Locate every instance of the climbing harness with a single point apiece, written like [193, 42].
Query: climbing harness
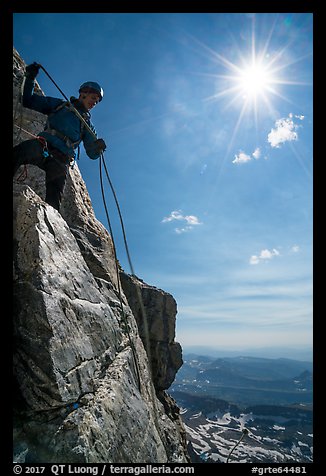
[63, 137]
[44, 145]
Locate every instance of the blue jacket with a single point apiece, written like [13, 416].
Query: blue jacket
[64, 121]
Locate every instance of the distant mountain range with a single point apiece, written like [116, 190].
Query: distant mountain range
[302, 354]
[271, 399]
[246, 380]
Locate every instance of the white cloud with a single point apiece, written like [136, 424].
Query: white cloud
[242, 157]
[264, 255]
[183, 230]
[270, 254]
[285, 130]
[254, 259]
[175, 215]
[190, 220]
[295, 249]
[257, 153]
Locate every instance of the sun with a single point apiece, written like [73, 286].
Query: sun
[254, 80]
[251, 84]
[250, 78]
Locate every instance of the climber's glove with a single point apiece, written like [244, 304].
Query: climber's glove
[99, 146]
[32, 70]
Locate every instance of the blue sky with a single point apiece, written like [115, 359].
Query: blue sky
[208, 121]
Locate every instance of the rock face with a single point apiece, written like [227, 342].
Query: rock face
[86, 390]
[156, 324]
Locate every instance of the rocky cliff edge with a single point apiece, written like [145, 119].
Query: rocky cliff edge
[85, 388]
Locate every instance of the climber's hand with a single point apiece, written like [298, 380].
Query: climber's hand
[95, 149]
[32, 70]
[100, 145]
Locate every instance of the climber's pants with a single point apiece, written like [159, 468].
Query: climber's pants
[55, 166]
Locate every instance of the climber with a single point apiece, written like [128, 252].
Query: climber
[54, 149]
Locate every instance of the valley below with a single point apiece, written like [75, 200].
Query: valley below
[246, 409]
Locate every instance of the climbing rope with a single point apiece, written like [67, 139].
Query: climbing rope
[45, 71]
[124, 319]
[138, 292]
[244, 433]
